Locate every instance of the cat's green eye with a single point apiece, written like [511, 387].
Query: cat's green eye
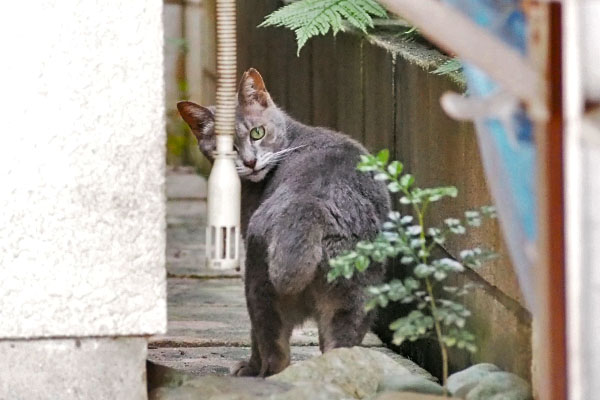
[257, 133]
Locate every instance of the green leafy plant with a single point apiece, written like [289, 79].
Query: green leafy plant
[308, 18]
[449, 66]
[437, 312]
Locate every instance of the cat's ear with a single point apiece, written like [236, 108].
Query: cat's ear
[200, 119]
[252, 90]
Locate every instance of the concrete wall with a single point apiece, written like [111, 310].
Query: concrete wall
[82, 231]
[92, 368]
[379, 90]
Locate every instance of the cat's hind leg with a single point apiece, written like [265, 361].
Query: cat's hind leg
[342, 321]
[271, 331]
[295, 246]
[252, 366]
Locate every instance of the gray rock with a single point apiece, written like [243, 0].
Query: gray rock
[408, 396]
[501, 386]
[357, 371]
[234, 388]
[340, 374]
[460, 383]
[313, 391]
[219, 387]
[409, 383]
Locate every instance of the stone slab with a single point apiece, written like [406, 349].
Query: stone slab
[200, 292]
[186, 211]
[189, 260]
[226, 326]
[201, 361]
[98, 368]
[212, 312]
[186, 236]
[185, 185]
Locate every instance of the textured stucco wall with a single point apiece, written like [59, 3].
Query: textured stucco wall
[82, 237]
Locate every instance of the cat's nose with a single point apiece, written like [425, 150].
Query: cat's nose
[250, 163]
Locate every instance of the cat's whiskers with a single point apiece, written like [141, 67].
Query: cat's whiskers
[268, 159]
[273, 158]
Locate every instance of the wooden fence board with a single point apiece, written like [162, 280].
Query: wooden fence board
[349, 78]
[299, 76]
[279, 51]
[324, 82]
[378, 75]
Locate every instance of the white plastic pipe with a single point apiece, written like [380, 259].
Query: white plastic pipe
[224, 188]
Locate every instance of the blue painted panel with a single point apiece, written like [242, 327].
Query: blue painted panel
[507, 146]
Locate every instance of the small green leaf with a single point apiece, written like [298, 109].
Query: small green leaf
[332, 276]
[414, 230]
[365, 246]
[407, 219]
[361, 263]
[407, 180]
[471, 348]
[488, 211]
[416, 243]
[404, 199]
[406, 260]
[383, 156]
[423, 270]
[389, 225]
[394, 215]
[394, 187]
[440, 275]
[449, 341]
[423, 253]
[395, 168]
[366, 167]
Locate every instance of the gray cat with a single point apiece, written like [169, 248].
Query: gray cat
[303, 202]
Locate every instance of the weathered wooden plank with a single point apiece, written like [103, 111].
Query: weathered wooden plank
[299, 75]
[252, 41]
[458, 34]
[440, 151]
[378, 73]
[279, 50]
[324, 82]
[349, 77]
[403, 103]
[415, 119]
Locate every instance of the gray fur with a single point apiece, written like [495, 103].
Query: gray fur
[299, 209]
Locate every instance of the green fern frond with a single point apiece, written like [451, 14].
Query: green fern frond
[308, 18]
[451, 65]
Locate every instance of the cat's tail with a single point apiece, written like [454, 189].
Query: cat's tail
[296, 249]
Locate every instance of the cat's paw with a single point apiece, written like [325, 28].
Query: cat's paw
[245, 368]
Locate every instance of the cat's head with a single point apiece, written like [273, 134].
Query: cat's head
[260, 138]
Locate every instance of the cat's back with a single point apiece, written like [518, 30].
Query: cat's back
[324, 167]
